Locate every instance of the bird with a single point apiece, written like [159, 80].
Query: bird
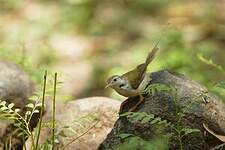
[133, 83]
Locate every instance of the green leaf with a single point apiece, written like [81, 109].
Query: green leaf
[66, 126]
[3, 103]
[189, 130]
[30, 105]
[138, 116]
[221, 85]
[163, 122]
[22, 134]
[125, 135]
[155, 120]
[62, 134]
[13, 118]
[3, 108]
[36, 111]
[125, 114]
[17, 110]
[11, 111]
[28, 113]
[210, 62]
[56, 141]
[11, 105]
[146, 119]
[169, 125]
[72, 130]
[151, 116]
[39, 105]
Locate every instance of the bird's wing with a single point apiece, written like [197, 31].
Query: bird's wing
[136, 75]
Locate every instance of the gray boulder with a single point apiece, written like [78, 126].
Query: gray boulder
[15, 87]
[193, 106]
[15, 84]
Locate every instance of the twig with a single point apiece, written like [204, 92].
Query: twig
[218, 147]
[42, 109]
[24, 144]
[220, 137]
[10, 142]
[53, 113]
[82, 134]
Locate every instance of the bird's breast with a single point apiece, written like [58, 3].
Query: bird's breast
[127, 92]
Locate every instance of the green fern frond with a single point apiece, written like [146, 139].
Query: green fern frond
[143, 118]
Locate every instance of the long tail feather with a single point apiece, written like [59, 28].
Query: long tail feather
[151, 55]
[155, 49]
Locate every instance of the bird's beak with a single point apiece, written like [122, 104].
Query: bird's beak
[108, 85]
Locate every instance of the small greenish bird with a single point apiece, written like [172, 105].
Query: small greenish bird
[133, 82]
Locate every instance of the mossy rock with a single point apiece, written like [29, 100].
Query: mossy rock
[200, 107]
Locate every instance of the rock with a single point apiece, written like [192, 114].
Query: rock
[15, 87]
[103, 109]
[193, 101]
[15, 84]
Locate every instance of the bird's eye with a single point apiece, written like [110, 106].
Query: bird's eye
[114, 80]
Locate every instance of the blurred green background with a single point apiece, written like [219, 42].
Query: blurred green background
[88, 40]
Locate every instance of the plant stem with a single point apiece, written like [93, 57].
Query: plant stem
[178, 118]
[180, 141]
[32, 139]
[53, 112]
[10, 142]
[42, 109]
[28, 132]
[24, 145]
[81, 134]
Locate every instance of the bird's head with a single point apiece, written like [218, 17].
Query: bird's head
[115, 81]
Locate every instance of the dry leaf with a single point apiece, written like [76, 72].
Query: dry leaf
[220, 137]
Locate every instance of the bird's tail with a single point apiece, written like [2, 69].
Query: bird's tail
[152, 54]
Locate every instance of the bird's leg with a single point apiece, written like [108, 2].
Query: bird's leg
[140, 89]
[141, 100]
